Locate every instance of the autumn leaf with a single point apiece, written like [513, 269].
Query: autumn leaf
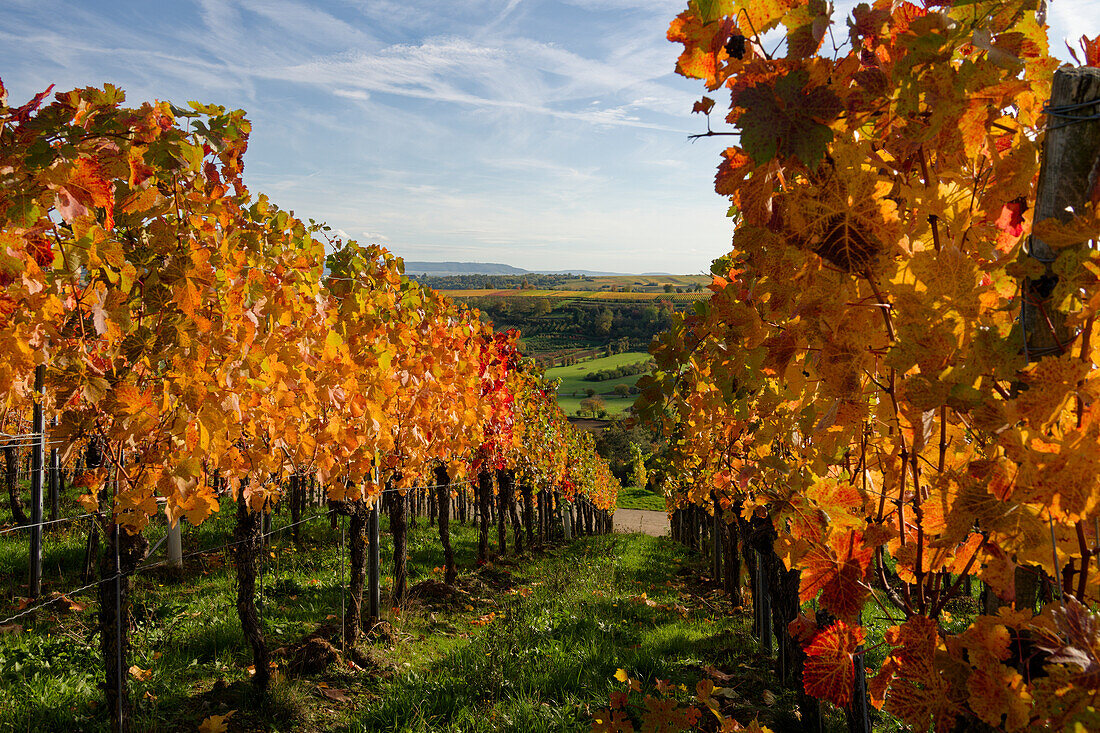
[139, 674]
[996, 691]
[22, 114]
[918, 693]
[803, 629]
[216, 723]
[718, 675]
[704, 46]
[1011, 220]
[334, 694]
[1091, 49]
[1078, 642]
[830, 668]
[837, 571]
[86, 187]
[787, 118]
[704, 105]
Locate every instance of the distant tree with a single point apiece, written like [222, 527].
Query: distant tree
[593, 406]
[622, 390]
[589, 391]
[604, 321]
[637, 465]
[668, 287]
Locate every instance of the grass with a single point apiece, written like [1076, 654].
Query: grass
[548, 660]
[573, 385]
[185, 629]
[615, 406]
[526, 644]
[635, 497]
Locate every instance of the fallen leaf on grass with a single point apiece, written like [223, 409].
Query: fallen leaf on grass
[718, 675]
[769, 697]
[139, 674]
[484, 620]
[216, 723]
[335, 694]
[74, 606]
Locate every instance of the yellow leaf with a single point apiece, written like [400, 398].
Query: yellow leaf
[216, 723]
[621, 675]
[139, 674]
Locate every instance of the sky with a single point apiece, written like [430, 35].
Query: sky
[543, 134]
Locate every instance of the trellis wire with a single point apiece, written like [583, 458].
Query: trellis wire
[67, 595]
[1061, 111]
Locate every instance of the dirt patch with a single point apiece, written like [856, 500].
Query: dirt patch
[640, 520]
[592, 425]
[496, 577]
[433, 592]
[313, 654]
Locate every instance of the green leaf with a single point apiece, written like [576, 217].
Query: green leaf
[709, 10]
[786, 120]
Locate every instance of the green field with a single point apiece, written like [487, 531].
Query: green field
[634, 497]
[573, 385]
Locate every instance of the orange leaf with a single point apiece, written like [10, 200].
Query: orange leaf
[830, 668]
[139, 674]
[999, 690]
[704, 105]
[1092, 50]
[837, 572]
[88, 187]
[216, 723]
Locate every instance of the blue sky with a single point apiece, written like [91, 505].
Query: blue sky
[546, 135]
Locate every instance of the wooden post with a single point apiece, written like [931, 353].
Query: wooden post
[762, 606]
[1067, 177]
[175, 545]
[53, 481]
[373, 561]
[38, 461]
[716, 540]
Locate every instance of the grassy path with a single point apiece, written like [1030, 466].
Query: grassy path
[652, 523]
[527, 645]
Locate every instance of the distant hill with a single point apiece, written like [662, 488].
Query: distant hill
[490, 268]
[461, 268]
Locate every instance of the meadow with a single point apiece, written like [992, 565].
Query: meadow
[573, 385]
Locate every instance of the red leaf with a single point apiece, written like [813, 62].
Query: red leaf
[1011, 220]
[837, 571]
[41, 249]
[802, 629]
[1092, 50]
[24, 113]
[830, 669]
